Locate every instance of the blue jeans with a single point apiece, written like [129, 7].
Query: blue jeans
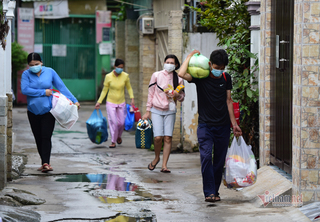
[208, 136]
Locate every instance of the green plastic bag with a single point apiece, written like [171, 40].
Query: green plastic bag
[198, 66]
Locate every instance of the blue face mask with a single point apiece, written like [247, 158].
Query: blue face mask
[35, 69]
[217, 72]
[118, 70]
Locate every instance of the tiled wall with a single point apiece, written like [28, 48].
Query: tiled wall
[306, 96]
[131, 58]
[175, 42]
[306, 102]
[120, 40]
[265, 82]
[147, 67]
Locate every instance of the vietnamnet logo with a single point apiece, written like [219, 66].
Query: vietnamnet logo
[45, 8]
[281, 200]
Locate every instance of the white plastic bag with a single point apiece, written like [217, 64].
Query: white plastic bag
[241, 165]
[63, 110]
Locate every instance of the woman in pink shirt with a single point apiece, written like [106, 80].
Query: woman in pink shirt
[162, 104]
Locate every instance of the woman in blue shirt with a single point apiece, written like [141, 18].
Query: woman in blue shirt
[36, 84]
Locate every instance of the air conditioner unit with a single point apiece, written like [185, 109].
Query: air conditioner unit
[147, 25]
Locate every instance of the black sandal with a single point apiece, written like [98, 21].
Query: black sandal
[211, 198]
[217, 198]
[153, 166]
[165, 170]
[113, 146]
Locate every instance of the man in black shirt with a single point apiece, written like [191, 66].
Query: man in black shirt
[215, 110]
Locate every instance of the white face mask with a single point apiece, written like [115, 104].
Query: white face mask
[169, 67]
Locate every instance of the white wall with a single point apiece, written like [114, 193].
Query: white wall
[205, 43]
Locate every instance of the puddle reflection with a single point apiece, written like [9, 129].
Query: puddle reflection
[104, 181]
[113, 182]
[122, 218]
[65, 132]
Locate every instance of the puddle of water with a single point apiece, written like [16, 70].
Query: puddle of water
[65, 132]
[120, 218]
[114, 183]
[132, 219]
[75, 178]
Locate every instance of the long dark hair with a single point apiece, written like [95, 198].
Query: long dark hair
[175, 74]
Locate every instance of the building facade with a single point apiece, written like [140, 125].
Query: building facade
[289, 92]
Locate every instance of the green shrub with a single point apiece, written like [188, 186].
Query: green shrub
[19, 58]
[18, 61]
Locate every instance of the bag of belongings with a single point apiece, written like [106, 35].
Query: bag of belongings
[198, 66]
[63, 110]
[241, 165]
[144, 134]
[97, 127]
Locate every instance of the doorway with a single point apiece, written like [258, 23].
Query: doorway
[281, 88]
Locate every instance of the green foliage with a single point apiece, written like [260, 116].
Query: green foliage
[122, 13]
[230, 21]
[19, 57]
[152, 147]
[18, 62]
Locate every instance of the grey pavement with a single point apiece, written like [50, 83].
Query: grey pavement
[70, 196]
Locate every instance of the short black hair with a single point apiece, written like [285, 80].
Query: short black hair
[219, 57]
[33, 56]
[176, 60]
[118, 62]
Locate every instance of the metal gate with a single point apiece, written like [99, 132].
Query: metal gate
[77, 67]
[281, 146]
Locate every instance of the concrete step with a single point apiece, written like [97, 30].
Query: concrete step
[270, 183]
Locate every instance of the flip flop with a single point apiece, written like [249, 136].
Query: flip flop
[113, 146]
[210, 198]
[165, 170]
[119, 140]
[46, 167]
[217, 198]
[153, 166]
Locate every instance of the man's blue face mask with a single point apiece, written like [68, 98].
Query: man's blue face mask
[35, 69]
[216, 72]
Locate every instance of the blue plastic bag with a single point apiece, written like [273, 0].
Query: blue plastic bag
[129, 122]
[97, 127]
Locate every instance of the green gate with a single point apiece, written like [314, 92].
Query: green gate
[77, 67]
